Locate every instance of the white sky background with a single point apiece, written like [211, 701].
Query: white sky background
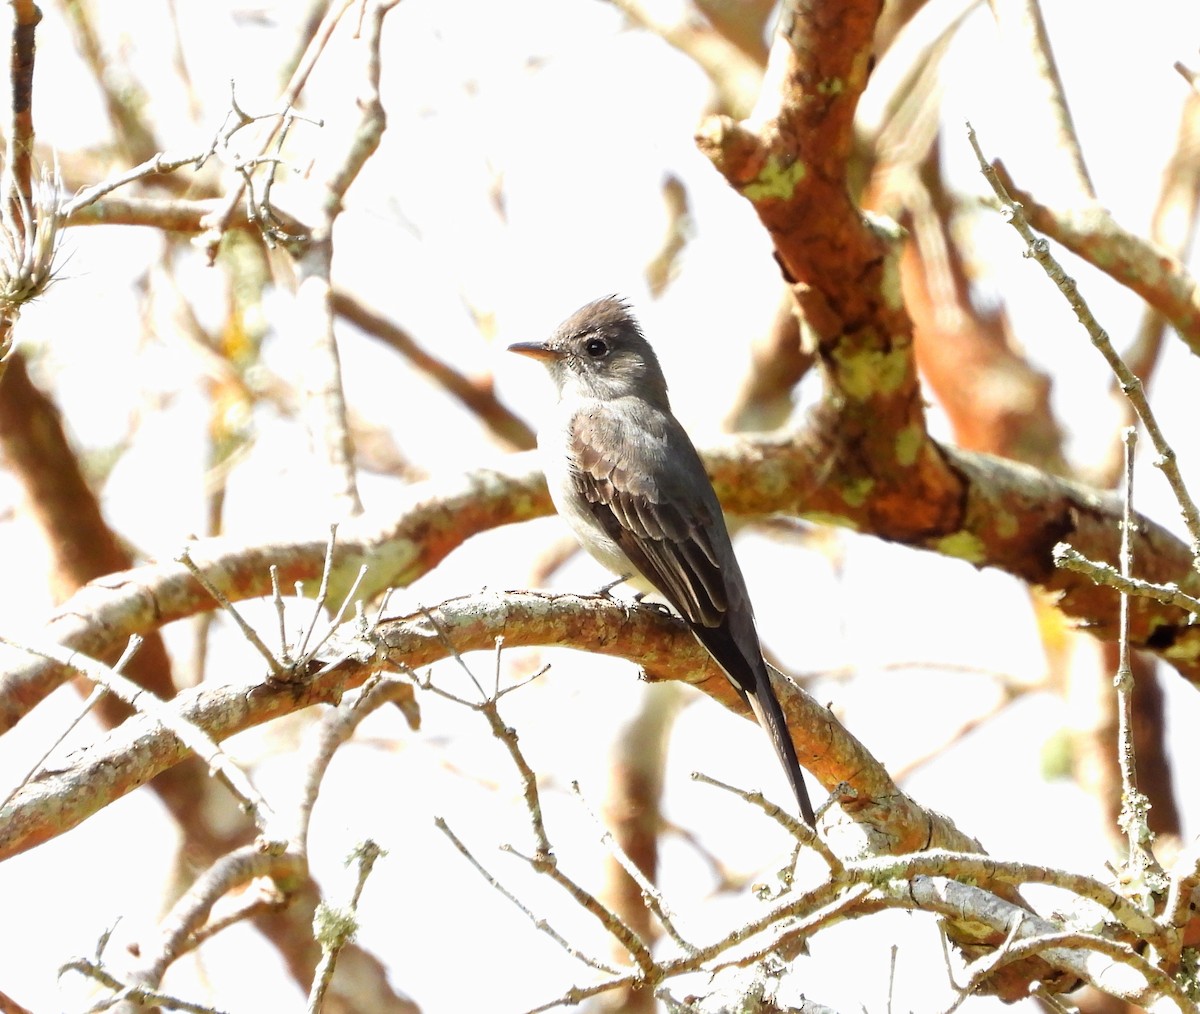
[579, 118]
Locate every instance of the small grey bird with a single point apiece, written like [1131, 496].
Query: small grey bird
[627, 479]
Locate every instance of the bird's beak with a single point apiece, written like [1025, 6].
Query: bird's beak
[535, 350]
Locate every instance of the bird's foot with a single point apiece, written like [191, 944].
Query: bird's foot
[660, 607]
[605, 590]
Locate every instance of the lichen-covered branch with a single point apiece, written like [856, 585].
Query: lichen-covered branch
[660, 643]
[1007, 516]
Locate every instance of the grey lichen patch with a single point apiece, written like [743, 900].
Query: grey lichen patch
[776, 180]
[962, 545]
[909, 442]
[864, 373]
[333, 927]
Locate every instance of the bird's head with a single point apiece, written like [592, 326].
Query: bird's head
[600, 352]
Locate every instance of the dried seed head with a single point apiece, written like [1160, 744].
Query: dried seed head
[29, 239]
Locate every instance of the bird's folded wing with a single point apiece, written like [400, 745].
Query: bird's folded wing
[639, 502]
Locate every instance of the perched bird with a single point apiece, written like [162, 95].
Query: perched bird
[627, 479]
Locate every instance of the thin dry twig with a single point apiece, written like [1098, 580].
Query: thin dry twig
[1067, 557]
[584, 898]
[1185, 880]
[158, 164]
[19, 158]
[539, 923]
[247, 631]
[322, 593]
[187, 917]
[475, 393]
[1024, 17]
[123, 992]
[336, 928]
[145, 702]
[93, 698]
[801, 832]
[335, 728]
[325, 408]
[651, 895]
[1134, 804]
[506, 734]
[1039, 250]
[218, 220]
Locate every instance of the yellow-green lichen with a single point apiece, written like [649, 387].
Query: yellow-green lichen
[1186, 649]
[909, 442]
[1006, 524]
[831, 86]
[889, 285]
[855, 493]
[1058, 755]
[863, 373]
[776, 180]
[962, 545]
[892, 234]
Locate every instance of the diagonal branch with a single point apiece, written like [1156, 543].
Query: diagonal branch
[661, 644]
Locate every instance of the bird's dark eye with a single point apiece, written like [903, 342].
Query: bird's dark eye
[597, 348]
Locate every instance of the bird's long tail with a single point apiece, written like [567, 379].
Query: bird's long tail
[741, 658]
[765, 706]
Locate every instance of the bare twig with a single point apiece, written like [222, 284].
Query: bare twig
[248, 632]
[336, 928]
[1067, 557]
[98, 691]
[1024, 18]
[1134, 804]
[188, 915]
[122, 991]
[1185, 881]
[541, 924]
[506, 734]
[144, 701]
[650, 894]
[218, 220]
[475, 393]
[335, 728]
[616, 927]
[795, 828]
[322, 593]
[1039, 250]
[157, 164]
[285, 652]
[19, 158]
